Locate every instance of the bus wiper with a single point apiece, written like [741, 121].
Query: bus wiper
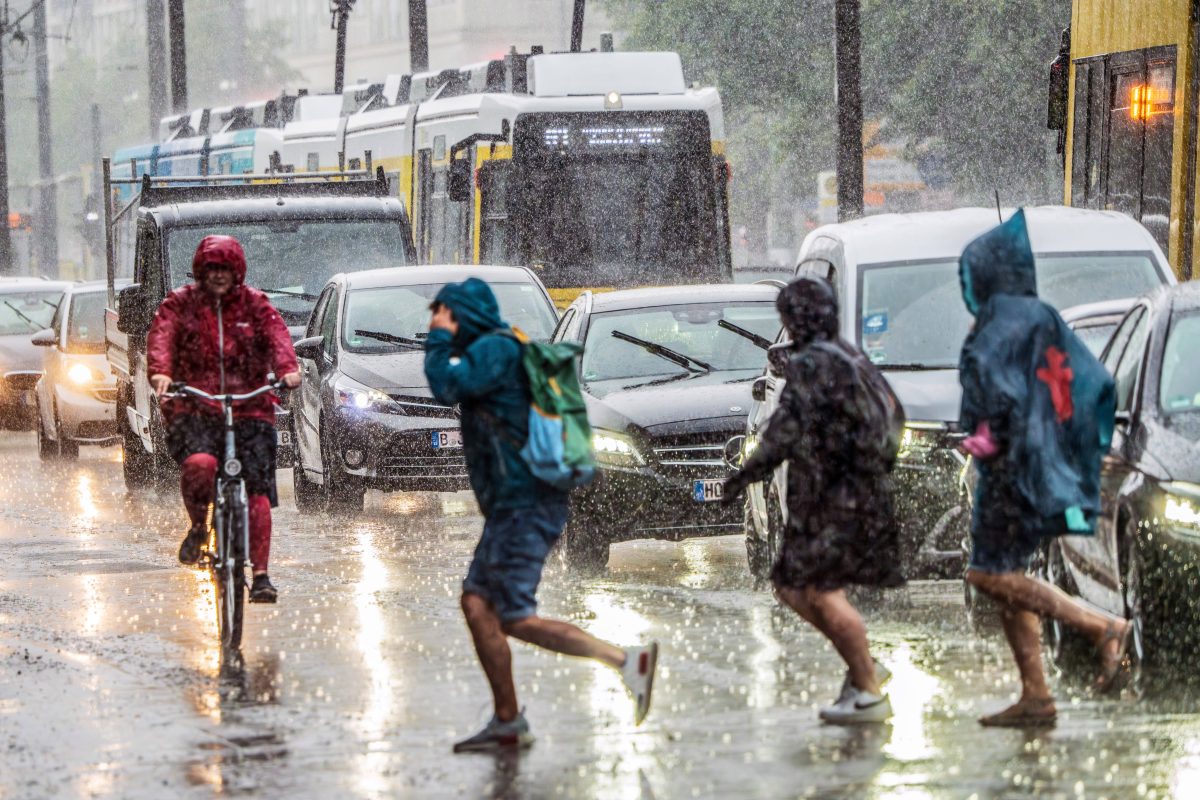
[291, 293]
[665, 352]
[759, 341]
[31, 322]
[391, 338]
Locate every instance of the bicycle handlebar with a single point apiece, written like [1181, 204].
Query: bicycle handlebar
[178, 389]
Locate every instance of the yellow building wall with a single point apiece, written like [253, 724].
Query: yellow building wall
[1099, 27]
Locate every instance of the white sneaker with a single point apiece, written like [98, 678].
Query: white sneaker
[638, 674]
[859, 707]
[882, 676]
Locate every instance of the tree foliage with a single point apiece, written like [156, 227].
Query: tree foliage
[962, 82]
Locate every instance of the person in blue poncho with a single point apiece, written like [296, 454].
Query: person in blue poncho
[1038, 408]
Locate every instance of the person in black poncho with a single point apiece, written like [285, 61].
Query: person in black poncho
[841, 527]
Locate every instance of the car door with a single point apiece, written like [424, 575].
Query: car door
[307, 412]
[1093, 560]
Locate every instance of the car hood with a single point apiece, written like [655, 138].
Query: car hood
[927, 395]
[19, 353]
[1175, 447]
[715, 401]
[387, 372]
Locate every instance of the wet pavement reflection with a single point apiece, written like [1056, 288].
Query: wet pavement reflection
[357, 683]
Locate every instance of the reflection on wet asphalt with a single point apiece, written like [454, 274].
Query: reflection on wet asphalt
[357, 683]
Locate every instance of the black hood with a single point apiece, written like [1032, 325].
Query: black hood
[693, 405]
[808, 309]
[387, 372]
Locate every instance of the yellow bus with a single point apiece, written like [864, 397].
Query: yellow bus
[1127, 110]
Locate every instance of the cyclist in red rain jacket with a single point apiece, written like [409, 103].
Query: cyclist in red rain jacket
[185, 344]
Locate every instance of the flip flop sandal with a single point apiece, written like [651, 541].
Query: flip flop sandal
[1030, 714]
[1110, 669]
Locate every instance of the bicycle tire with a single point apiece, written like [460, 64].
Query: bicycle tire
[231, 572]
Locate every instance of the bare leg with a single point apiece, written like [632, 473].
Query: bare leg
[833, 615]
[491, 645]
[565, 638]
[1023, 631]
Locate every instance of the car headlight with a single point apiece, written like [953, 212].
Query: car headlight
[920, 439]
[616, 449]
[352, 394]
[81, 374]
[1182, 505]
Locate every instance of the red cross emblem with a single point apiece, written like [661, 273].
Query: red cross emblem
[1057, 378]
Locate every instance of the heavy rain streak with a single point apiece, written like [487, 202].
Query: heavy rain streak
[620, 399]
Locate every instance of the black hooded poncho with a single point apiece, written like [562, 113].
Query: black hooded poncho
[841, 527]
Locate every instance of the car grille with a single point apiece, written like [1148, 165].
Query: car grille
[697, 453]
[432, 465]
[424, 407]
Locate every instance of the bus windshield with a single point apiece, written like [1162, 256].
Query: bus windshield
[617, 199]
[291, 260]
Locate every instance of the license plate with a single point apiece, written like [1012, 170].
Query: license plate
[707, 491]
[447, 440]
[283, 438]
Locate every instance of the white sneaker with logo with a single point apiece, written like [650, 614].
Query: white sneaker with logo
[638, 674]
[857, 707]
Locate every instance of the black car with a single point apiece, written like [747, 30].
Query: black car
[1142, 561]
[666, 373]
[363, 417]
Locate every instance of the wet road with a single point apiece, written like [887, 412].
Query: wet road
[357, 683]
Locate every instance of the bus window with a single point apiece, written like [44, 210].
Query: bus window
[424, 204]
[493, 230]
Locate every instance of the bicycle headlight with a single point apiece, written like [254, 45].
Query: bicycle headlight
[352, 394]
[616, 449]
[233, 467]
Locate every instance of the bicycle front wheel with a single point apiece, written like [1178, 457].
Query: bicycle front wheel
[231, 593]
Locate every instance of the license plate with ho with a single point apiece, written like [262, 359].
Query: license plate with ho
[447, 440]
[708, 491]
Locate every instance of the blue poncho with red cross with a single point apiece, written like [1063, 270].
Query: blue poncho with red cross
[1047, 399]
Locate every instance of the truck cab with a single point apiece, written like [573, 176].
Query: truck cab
[296, 234]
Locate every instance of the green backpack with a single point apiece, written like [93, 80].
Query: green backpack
[559, 447]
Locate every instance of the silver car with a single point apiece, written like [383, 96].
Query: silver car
[76, 395]
[26, 306]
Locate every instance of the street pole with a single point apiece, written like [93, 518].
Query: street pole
[577, 27]
[156, 48]
[46, 235]
[341, 14]
[849, 110]
[6, 257]
[418, 36]
[179, 82]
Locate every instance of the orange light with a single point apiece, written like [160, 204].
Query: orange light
[1142, 100]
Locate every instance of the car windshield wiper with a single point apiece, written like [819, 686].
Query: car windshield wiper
[391, 338]
[291, 293]
[30, 321]
[665, 352]
[759, 341]
[681, 376]
[913, 367]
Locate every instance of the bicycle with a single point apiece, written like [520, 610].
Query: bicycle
[230, 518]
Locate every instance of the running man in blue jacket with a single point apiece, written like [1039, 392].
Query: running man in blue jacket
[471, 359]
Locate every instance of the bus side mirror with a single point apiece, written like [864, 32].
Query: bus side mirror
[134, 312]
[460, 180]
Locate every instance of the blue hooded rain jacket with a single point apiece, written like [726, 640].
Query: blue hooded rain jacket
[480, 368]
[1048, 401]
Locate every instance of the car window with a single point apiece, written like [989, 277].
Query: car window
[329, 324]
[1179, 387]
[564, 323]
[690, 330]
[27, 312]
[314, 322]
[403, 311]
[1116, 347]
[85, 323]
[1129, 366]
[1095, 335]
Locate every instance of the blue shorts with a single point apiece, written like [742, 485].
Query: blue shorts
[508, 561]
[1005, 532]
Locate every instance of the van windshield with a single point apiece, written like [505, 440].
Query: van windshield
[912, 313]
[291, 260]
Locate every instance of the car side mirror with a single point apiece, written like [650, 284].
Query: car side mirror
[460, 186]
[777, 358]
[134, 312]
[758, 389]
[310, 348]
[1123, 418]
[44, 338]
